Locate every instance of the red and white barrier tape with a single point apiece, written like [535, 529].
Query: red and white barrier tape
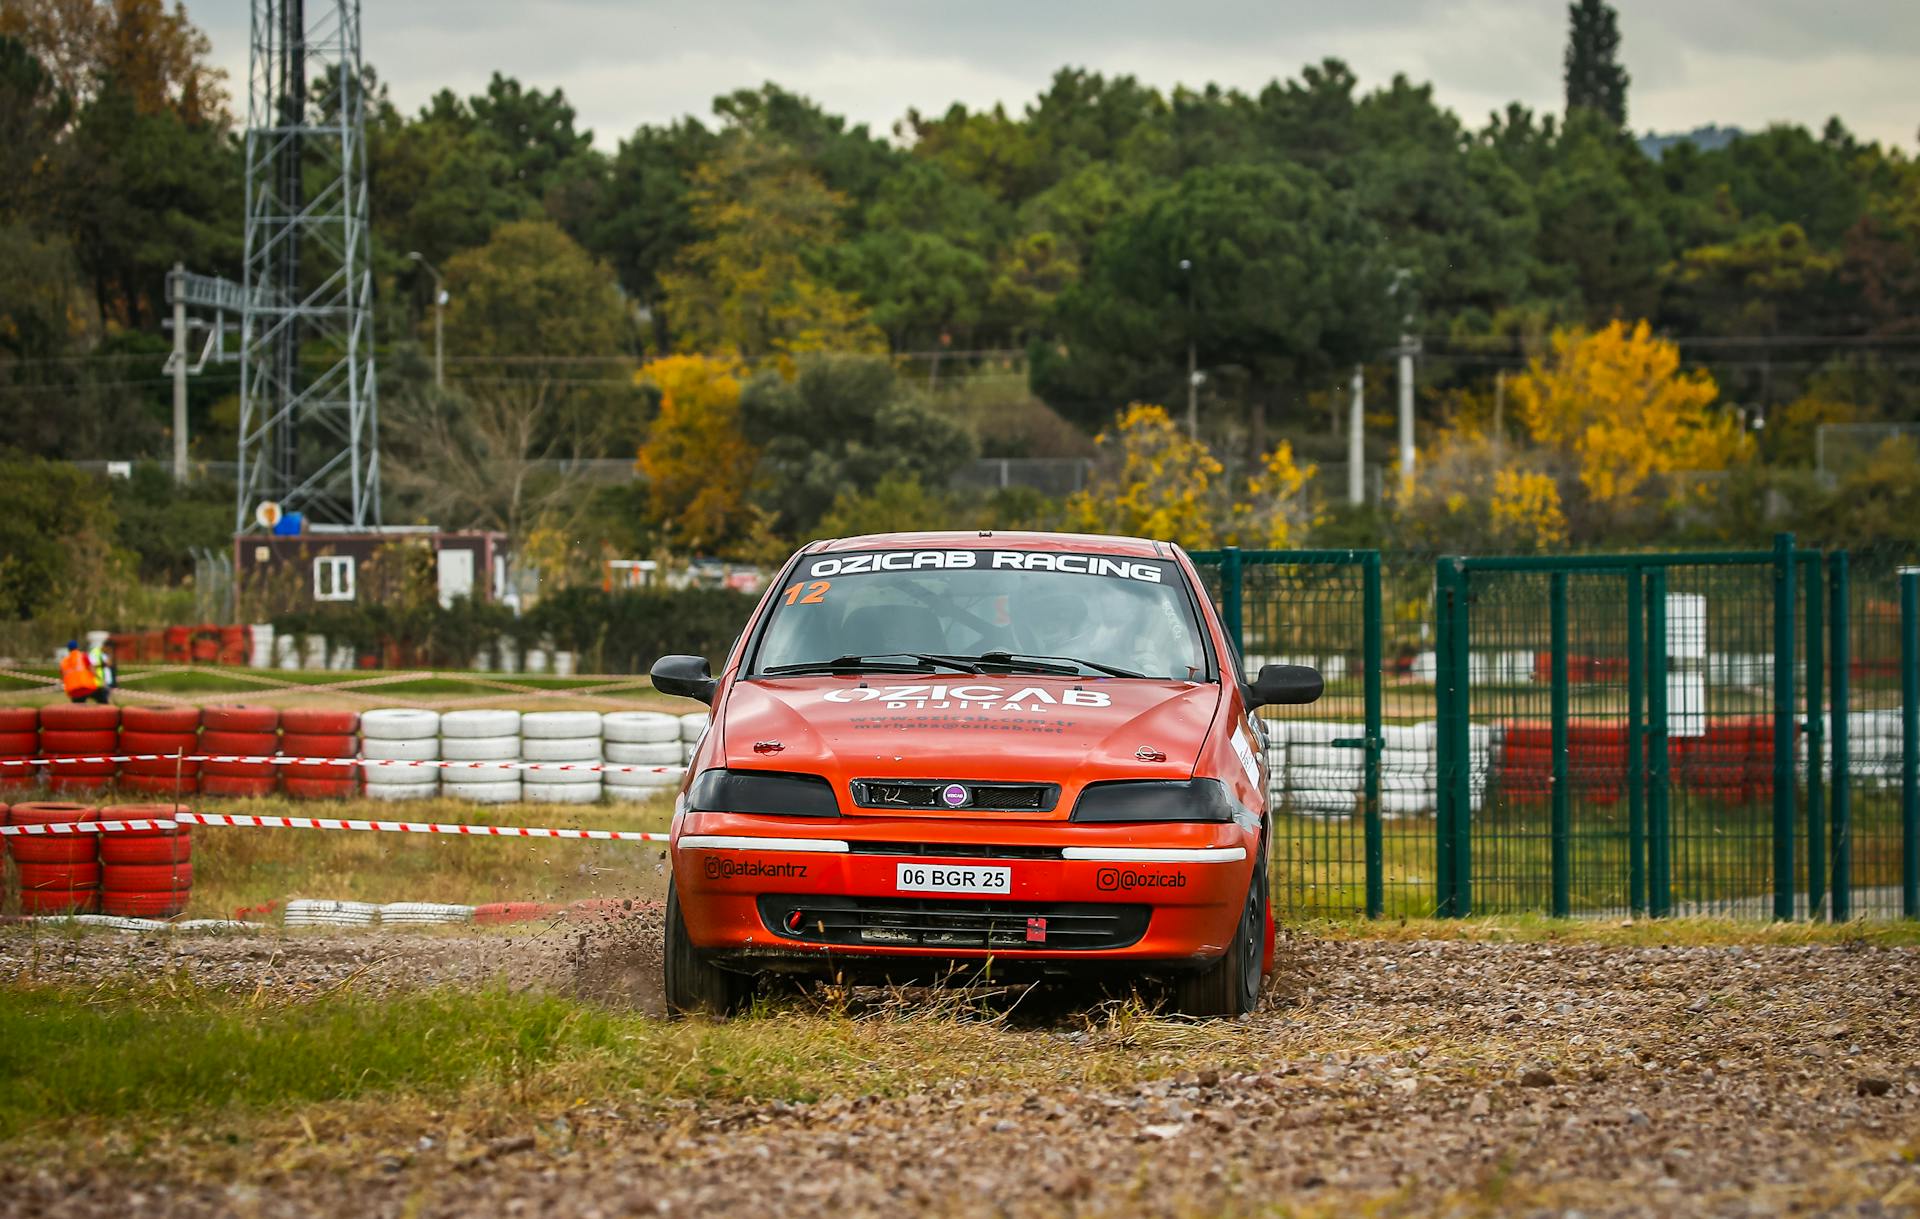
[183, 817]
[381, 763]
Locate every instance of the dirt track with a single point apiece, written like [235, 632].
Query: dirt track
[1425, 1076]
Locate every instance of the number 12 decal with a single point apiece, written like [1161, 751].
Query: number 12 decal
[816, 593]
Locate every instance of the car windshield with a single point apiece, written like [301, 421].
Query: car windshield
[998, 610]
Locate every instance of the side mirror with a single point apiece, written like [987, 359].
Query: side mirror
[686, 676]
[1282, 685]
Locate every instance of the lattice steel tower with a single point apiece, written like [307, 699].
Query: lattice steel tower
[309, 415]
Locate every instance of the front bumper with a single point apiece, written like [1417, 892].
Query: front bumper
[772, 892]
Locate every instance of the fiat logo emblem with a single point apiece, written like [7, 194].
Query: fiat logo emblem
[953, 795]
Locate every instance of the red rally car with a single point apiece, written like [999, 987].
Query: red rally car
[1009, 753]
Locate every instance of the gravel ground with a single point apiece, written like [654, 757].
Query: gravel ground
[1407, 1077]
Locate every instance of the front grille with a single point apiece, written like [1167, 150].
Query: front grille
[895, 922]
[954, 850]
[927, 793]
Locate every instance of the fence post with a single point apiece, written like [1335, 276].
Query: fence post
[1636, 745]
[1462, 741]
[1816, 645]
[1910, 742]
[1783, 769]
[1445, 762]
[1370, 661]
[1839, 792]
[1230, 602]
[1562, 822]
[1659, 832]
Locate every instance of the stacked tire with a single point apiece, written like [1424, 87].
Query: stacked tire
[477, 743]
[145, 873]
[311, 733]
[692, 728]
[19, 742]
[163, 731]
[80, 730]
[59, 873]
[398, 736]
[242, 732]
[559, 741]
[648, 739]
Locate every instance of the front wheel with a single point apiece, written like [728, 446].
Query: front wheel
[694, 985]
[1231, 985]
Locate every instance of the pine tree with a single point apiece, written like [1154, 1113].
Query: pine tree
[1595, 79]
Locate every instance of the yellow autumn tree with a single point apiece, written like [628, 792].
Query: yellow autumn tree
[697, 461]
[1155, 482]
[1619, 406]
[747, 285]
[1477, 496]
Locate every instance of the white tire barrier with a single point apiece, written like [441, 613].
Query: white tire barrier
[502, 792]
[425, 912]
[656, 779]
[491, 722]
[640, 727]
[307, 912]
[480, 748]
[561, 793]
[399, 724]
[663, 753]
[559, 778]
[421, 749]
[560, 749]
[692, 726]
[546, 725]
[403, 791]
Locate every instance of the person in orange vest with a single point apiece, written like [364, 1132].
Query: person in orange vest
[78, 678]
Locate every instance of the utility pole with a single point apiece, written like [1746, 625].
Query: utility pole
[1356, 439]
[439, 304]
[1409, 346]
[1193, 368]
[179, 366]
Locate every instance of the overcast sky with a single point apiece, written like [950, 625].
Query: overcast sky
[625, 62]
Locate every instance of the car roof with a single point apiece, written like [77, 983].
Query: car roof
[995, 539]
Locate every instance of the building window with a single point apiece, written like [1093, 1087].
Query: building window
[333, 578]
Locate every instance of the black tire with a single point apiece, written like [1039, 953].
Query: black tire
[1231, 985]
[694, 985]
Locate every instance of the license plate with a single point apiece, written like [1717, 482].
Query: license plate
[952, 878]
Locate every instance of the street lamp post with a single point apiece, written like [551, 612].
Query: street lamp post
[439, 304]
[1193, 369]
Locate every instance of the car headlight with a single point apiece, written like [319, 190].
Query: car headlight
[782, 793]
[1156, 800]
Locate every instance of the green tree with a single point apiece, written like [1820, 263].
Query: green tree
[532, 291]
[1594, 78]
[842, 425]
[645, 220]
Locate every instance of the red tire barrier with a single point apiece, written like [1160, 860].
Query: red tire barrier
[310, 721]
[178, 644]
[246, 744]
[320, 789]
[232, 785]
[50, 812]
[157, 785]
[19, 719]
[160, 719]
[147, 877]
[300, 745]
[54, 848]
[19, 744]
[494, 913]
[59, 901]
[166, 903]
[58, 876]
[160, 743]
[240, 719]
[66, 743]
[79, 717]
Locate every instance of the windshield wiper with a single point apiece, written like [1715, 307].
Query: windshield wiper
[874, 662]
[1065, 666]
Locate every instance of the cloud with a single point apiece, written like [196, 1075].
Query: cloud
[627, 62]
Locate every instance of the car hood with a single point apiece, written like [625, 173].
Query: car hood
[1017, 728]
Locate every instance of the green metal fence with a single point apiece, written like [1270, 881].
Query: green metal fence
[1723, 733]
